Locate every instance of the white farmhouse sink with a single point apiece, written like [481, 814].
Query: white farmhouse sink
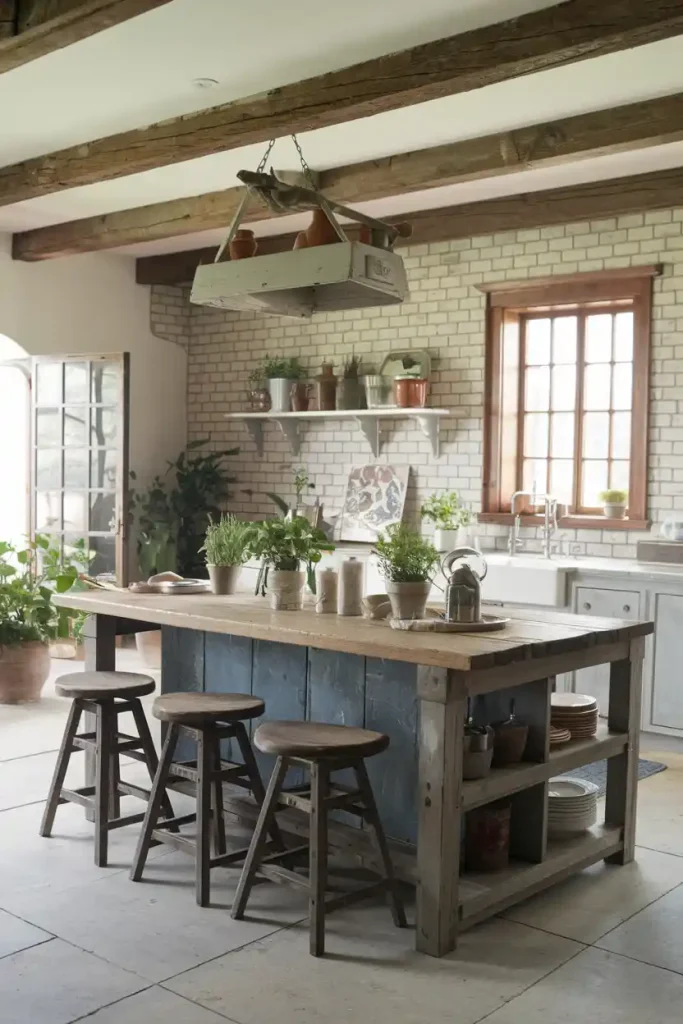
[525, 579]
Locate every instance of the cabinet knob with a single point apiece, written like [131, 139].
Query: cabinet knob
[587, 605]
[627, 607]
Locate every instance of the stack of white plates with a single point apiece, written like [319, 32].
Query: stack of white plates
[572, 805]
[575, 711]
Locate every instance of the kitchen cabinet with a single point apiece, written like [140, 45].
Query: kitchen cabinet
[613, 604]
[666, 709]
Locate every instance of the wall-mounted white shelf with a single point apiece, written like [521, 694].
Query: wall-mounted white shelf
[369, 420]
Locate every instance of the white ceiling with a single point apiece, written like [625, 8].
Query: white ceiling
[143, 71]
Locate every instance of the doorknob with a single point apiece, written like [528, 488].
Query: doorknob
[587, 605]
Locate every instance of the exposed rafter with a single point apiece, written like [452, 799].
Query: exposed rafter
[31, 28]
[549, 38]
[617, 196]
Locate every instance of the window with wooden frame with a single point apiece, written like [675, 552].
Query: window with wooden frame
[566, 399]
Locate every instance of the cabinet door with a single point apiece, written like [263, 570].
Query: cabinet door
[612, 604]
[667, 693]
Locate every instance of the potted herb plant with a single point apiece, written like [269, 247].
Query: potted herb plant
[350, 390]
[279, 375]
[28, 620]
[614, 503]
[444, 510]
[226, 546]
[289, 550]
[406, 561]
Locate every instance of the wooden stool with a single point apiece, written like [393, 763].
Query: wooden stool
[106, 695]
[322, 749]
[208, 718]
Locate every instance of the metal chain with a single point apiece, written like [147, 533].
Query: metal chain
[304, 166]
[264, 158]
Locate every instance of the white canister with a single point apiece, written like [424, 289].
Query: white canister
[326, 584]
[350, 599]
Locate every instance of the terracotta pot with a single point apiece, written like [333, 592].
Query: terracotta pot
[301, 396]
[286, 589]
[23, 671]
[320, 231]
[409, 600]
[149, 647]
[224, 578]
[243, 245]
[487, 837]
[509, 743]
[410, 392]
[300, 242]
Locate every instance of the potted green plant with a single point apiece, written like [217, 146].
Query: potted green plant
[614, 503]
[28, 619]
[226, 546]
[406, 561]
[444, 510]
[279, 375]
[350, 390]
[289, 550]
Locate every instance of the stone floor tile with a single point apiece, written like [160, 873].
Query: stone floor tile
[655, 935]
[16, 934]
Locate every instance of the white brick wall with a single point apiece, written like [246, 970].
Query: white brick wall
[444, 314]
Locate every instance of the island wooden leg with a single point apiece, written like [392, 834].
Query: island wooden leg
[99, 634]
[442, 721]
[622, 770]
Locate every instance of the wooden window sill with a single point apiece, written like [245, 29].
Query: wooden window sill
[568, 522]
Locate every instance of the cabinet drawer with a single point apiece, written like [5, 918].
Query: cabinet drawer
[612, 604]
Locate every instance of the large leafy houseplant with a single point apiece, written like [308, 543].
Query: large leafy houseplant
[287, 545]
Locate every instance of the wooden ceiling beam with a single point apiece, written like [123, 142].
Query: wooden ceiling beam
[32, 28]
[635, 126]
[597, 200]
[549, 38]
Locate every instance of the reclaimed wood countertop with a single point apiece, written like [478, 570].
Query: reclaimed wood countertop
[529, 635]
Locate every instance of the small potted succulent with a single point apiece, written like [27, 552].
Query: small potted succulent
[449, 517]
[226, 546]
[614, 503]
[407, 562]
[279, 375]
[289, 550]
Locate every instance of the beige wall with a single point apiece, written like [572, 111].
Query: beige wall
[445, 314]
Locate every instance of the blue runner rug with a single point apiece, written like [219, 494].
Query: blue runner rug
[597, 772]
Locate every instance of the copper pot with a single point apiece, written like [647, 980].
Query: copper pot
[320, 231]
[243, 245]
[411, 392]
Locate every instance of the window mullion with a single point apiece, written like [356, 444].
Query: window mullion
[521, 405]
[578, 409]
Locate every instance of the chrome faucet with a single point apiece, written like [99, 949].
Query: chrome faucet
[549, 520]
[513, 539]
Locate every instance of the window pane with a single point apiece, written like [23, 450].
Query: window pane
[594, 481]
[74, 426]
[623, 337]
[562, 480]
[564, 339]
[48, 511]
[619, 476]
[48, 469]
[104, 551]
[536, 435]
[622, 390]
[598, 344]
[562, 435]
[49, 384]
[76, 382]
[621, 435]
[104, 383]
[596, 435]
[74, 511]
[537, 389]
[76, 467]
[596, 391]
[538, 341]
[534, 475]
[564, 387]
[102, 513]
[48, 428]
[104, 427]
[103, 465]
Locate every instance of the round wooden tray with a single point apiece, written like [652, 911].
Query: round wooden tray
[487, 624]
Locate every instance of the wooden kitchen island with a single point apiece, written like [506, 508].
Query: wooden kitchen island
[415, 687]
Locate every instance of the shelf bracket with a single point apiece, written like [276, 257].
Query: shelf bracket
[290, 428]
[370, 427]
[255, 428]
[429, 425]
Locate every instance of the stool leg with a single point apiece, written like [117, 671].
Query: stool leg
[205, 757]
[218, 816]
[318, 857]
[259, 838]
[257, 787]
[150, 753]
[55, 793]
[380, 843]
[105, 732]
[154, 805]
[114, 776]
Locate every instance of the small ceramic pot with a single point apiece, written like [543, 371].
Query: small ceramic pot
[409, 600]
[320, 231]
[445, 540]
[280, 389]
[224, 578]
[243, 245]
[410, 392]
[614, 511]
[286, 590]
[477, 754]
[509, 743]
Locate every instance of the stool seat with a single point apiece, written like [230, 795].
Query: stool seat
[104, 685]
[203, 708]
[318, 740]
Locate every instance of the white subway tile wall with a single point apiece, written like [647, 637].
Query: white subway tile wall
[444, 314]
